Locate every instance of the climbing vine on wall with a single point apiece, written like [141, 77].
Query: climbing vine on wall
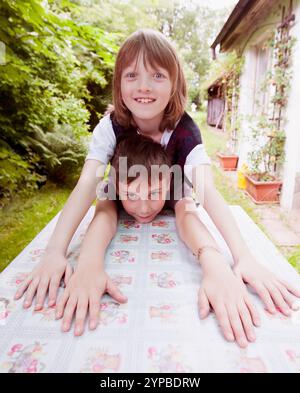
[270, 126]
[232, 94]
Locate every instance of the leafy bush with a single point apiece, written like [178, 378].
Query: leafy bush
[16, 173]
[55, 74]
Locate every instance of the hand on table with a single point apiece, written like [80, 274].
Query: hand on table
[46, 276]
[229, 299]
[82, 295]
[276, 294]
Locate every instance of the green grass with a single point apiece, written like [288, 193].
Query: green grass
[214, 141]
[24, 217]
[294, 258]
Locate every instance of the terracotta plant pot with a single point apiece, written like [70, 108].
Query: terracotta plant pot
[228, 161]
[263, 191]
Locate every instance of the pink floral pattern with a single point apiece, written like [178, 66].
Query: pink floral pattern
[163, 238]
[122, 256]
[25, 359]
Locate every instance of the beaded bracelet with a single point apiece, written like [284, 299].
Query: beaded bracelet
[204, 248]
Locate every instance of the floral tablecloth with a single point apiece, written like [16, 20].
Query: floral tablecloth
[158, 329]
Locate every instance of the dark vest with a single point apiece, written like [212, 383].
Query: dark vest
[184, 138]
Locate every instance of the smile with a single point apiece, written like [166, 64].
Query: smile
[144, 100]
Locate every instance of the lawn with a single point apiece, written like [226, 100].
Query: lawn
[25, 217]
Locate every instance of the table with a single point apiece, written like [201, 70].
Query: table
[158, 329]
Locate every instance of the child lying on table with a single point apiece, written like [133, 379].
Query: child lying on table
[143, 197]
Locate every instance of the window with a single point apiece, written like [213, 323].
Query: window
[262, 91]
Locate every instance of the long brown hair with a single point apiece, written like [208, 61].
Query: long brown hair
[156, 50]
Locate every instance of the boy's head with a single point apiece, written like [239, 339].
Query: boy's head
[142, 175]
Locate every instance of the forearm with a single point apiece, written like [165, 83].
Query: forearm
[221, 215]
[99, 234]
[218, 210]
[196, 236]
[73, 212]
[76, 206]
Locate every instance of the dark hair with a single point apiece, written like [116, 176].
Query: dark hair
[139, 150]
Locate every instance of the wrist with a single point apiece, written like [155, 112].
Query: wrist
[240, 252]
[54, 251]
[211, 259]
[243, 257]
[90, 261]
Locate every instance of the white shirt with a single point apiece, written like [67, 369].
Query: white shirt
[103, 144]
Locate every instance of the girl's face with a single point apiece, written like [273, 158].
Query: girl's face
[145, 92]
[143, 201]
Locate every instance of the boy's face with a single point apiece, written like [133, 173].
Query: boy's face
[143, 201]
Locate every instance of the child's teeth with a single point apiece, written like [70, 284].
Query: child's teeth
[144, 101]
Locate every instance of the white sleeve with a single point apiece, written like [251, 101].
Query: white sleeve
[103, 142]
[197, 156]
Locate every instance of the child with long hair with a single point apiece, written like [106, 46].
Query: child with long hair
[149, 97]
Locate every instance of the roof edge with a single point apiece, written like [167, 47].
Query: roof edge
[241, 8]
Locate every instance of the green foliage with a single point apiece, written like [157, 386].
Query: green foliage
[192, 27]
[14, 171]
[268, 133]
[267, 148]
[54, 68]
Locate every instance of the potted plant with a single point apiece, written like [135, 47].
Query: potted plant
[228, 158]
[262, 182]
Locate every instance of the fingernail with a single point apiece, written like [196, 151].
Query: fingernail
[93, 325]
[26, 304]
[252, 337]
[77, 330]
[37, 306]
[65, 327]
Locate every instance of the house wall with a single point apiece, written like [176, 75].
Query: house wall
[290, 196]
